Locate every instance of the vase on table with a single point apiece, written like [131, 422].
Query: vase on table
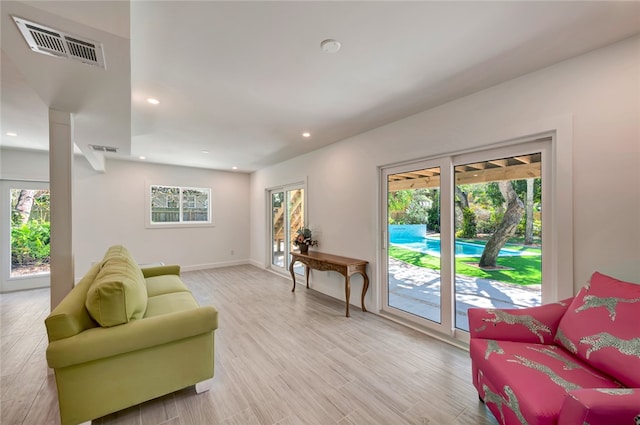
[304, 249]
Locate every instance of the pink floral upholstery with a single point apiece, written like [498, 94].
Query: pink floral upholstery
[602, 327]
[526, 371]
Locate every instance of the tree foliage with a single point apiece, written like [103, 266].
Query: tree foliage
[469, 228]
[29, 205]
[411, 206]
[30, 243]
[520, 186]
[484, 200]
[30, 229]
[433, 214]
[400, 200]
[418, 207]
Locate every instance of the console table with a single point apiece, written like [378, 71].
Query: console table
[343, 265]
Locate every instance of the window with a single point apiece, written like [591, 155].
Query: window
[30, 232]
[190, 201]
[179, 205]
[25, 235]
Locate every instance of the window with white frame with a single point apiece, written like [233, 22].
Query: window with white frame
[179, 205]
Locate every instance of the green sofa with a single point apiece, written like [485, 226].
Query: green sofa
[124, 335]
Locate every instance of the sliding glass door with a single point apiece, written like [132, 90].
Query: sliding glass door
[463, 231]
[414, 250]
[498, 238]
[287, 216]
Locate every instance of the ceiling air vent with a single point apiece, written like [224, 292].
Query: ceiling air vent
[99, 148]
[53, 42]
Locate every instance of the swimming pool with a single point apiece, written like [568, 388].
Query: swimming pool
[431, 245]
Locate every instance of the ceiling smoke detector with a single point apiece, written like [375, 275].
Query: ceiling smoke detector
[57, 43]
[330, 45]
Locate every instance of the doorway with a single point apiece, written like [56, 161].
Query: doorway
[287, 215]
[26, 235]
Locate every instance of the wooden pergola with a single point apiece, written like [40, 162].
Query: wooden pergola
[513, 168]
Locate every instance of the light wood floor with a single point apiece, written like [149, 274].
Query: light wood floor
[280, 358]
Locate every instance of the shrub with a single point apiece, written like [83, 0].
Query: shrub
[416, 214]
[433, 216]
[30, 243]
[537, 227]
[468, 224]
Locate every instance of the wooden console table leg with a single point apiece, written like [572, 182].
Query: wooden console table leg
[306, 274]
[365, 286]
[293, 276]
[347, 292]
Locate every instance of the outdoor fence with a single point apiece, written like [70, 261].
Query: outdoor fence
[173, 216]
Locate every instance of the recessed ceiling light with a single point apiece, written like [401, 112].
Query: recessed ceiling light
[330, 45]
[234, 168]
[306, 134]
[143, 157]
[205, 151]
[12, 134]
[153, 101]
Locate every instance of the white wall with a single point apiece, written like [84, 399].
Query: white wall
[110, 209]
[26, 165]
[597, 94]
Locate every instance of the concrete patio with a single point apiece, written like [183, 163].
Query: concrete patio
[416, 290]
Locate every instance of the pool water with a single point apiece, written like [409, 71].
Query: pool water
[431, 245]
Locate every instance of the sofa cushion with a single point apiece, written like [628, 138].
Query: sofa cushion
[601, 327]
[170, 303]
[70, 317]
[527, 382]
[534, 324]
[118, 294]
[165, 284]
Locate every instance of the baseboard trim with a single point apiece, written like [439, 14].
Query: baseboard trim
[429, 332]
[258, 264]
[218, 265]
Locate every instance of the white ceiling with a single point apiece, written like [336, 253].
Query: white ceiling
[244, 80]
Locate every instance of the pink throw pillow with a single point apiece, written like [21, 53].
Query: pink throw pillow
[602, 327]
[533, 324]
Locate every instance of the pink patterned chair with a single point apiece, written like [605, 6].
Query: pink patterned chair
[575, 362]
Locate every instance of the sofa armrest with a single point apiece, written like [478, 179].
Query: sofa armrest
[160, 270]
[532, 324]
[99, 343]
[601, 406]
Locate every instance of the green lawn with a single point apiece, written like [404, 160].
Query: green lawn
[526, 270]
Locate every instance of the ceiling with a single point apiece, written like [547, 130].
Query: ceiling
[239, 82]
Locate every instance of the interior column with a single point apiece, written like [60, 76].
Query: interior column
[61, 190]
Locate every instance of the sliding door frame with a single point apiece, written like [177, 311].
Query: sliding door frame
[287, 236]
[446, 242]
[556, 147]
